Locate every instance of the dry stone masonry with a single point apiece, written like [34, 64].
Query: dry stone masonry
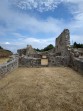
[62, 43]
[62, 55]
[9, 66]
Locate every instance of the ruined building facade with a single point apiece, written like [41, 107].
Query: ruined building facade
[62, 43]
[61, 55]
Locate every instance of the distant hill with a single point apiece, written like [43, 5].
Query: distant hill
[4, 52]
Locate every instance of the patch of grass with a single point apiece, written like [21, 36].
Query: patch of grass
[42, 89]
[3, 60]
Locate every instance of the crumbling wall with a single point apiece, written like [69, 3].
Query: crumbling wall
[29, 62]
[8, 67]
[61, 55]
[77, 51]
[30, 52]
[78, 65]
[62, 43]
[21, 52]
[76, 61]
[57, 56]
[58, 60]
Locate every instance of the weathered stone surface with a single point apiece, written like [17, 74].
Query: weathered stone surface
[76, 60]
[30, 51]
[76, 54]
[77, 64]
[21, 52]
[61, 55]
[62, 43]
[29, 62]
[8, 67]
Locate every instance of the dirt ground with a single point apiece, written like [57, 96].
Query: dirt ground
[42, 89]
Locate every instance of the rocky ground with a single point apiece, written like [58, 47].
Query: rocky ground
[42, 89]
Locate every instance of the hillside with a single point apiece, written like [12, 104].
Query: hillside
[4, 52]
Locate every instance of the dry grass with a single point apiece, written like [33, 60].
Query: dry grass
[42, 89]
[3, 60]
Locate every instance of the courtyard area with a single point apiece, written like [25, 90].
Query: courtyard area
[42, 89]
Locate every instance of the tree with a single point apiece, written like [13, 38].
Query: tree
[76, 45]
[49, 47]
[1, 47]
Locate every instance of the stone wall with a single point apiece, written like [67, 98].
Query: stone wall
[21, 52]
[30, 52]
[29, 62]
[56, 57]
[58, 60]
[61, 55]
[8, 67]
[62, 43]
[76, 60]
[77, 51]
[77, 64]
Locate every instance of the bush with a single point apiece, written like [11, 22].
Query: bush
[76, 45]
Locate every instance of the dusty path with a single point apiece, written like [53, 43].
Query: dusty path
[42, 89]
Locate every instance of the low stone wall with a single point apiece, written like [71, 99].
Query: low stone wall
[61, 61]
[8, 67]
[76, 60]
[51, 60]
[58, 61]
[29, 62]
[77, 65]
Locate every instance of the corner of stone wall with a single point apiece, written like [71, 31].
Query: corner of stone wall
[76, 63]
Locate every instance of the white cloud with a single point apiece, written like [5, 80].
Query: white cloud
[35, 42]
[76, 38]
[24, 41]
[39, 5]
[43, 5]
[7, 43]
[14, 20]
[73, 1]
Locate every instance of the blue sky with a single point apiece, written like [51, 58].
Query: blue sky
[39, 22]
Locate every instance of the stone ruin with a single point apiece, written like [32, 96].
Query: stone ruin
[62, 55]
[62, 43]
[9, 66]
